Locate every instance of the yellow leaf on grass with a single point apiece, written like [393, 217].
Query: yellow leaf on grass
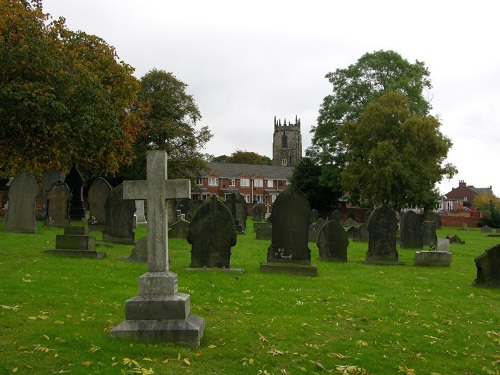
[86, 363]
[147, 359]
[212, 346]
[361, 343]
[186, 361]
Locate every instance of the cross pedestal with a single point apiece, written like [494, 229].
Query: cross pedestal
[159, 312]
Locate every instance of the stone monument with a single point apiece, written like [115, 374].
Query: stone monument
[332, 242]
[20, 216]
[58, 198]
[382, 227]
[411, 231]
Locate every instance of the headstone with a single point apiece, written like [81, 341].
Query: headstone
[411, 231]
[20, 216]
[486, 229]
[76, 243]
[319, 224]
[438, 221]
[179, 229]
[332, 242]
[349, 222]
[264, 233]
[98, 194]
[171, 211]
[119, 217]
[75, 183]
[362, 234]
[464, 226]
[314, 215]
[429, 236]
[289, 251]
[49, 178]
[211, 235]
[443, 244]
[182, 205]
[352, 231]
[193, 206]
[139, 252]
[140, 215]
[432, 258]
[382, 226]
[159, 312]
[488, 268]
[237, 206]
[336, 216]
[456, 240]
[58, 198]
[267, 215]
[257, 213]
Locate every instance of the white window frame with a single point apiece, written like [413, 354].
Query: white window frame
[270, 183]
[245, 182]
[213, 181]
[258, 182]
[232, 182]
[247, 198]
[199, 181]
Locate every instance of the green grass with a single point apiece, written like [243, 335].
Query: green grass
[56, 312]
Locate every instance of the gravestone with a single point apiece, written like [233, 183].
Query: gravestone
[98, 194]
[171, 211]
[456, 240]
[289, 251]
[429, 236]
[75, 183]
[76, 243]
[237, 206]
[264, 232]
[336, 216]
[49, 178]
[58, 198]
[182, 205]
[140, 216]
[486, 229]
[139, 252]
[319, 224]
[488, 268]
[211, 235]
[20, 217]
[362, 234]
[464, 226]
[179, 229]
[438, 221]
[193, 206]
[314, 216]
[119, 217]
[411, 231]
[351, 231]
[443, 244]
[159, 312]
[257, 213]
[332, 242]
[382, 226]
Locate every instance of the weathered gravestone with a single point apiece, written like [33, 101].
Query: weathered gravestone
[314, 216]
[75, 183]
[211, 235]
[351, 231]
[456, 240]
[336, 216]
[58, 198]
[119, 217]
[171, 211]
[488, 268]
[140, 216]
[139, 252]
[264, 232]
[289, 251]
[76, 242]
[20, 216]
[159, 312]
[429, 236]
[238, 208]
[192, 207]
[438, 221]
[486, 229]
[49, 178]
[362, 234]
[98, 194]
[382, 226]
[443, 244]
[257, 213]
[332, 242]
[411, 231]
[179, 229]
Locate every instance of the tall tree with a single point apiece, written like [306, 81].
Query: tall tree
[353, 88]
[394, 156]
[248, 157]
[170, 124]
[64, 96]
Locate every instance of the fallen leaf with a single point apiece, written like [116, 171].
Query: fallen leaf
[86, 363]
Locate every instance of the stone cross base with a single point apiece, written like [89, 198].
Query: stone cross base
[291, 268]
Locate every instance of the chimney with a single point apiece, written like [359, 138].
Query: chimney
[461, 183]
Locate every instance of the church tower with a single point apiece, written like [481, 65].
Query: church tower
[287, 143]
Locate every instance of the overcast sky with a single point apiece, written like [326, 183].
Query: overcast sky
[247, 61]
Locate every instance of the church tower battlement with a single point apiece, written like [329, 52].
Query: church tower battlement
[287, 143]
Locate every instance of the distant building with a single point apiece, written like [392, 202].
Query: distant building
[257, 183]
[454, 200]
[287, 143]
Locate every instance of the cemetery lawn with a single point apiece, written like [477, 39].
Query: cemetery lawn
[55, 313]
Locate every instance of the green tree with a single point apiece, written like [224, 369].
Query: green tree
[482, 201]
[353, 88]
[394, 156]
[170, 125]
[64, 96]
[248, 157]
[306, 176]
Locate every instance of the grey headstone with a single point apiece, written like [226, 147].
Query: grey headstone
[411, 231]
[140, 251]
[171, 211]
[429, 236]
[20, 216]
[58, 198]
[192, 207]
[76, 243]
[332, 242]
[179, 229]
[264, 232]
[456, 240]
[336, 216]
[119, 217]
[211, 234]
[486, 229]
[257, 213]
[98, 193]
[443, 244]
[362, 234]
[351, 231]
[237, 206]
[314, 215]
[159, 312]
[438, 221]
[140, 215]
[49, 178]
[488, 268]
[289, 251]
[75, 183]
[382, 226]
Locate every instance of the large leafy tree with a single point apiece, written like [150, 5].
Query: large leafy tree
[393, 155]
[353, 88]
[64, 96]
[170, 125]
[248, 157]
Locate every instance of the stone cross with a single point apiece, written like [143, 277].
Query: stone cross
[157, 189]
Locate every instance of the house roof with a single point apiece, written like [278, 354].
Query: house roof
[229, 170]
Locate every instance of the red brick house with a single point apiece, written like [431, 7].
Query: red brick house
[454, 200]
[257, 183]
